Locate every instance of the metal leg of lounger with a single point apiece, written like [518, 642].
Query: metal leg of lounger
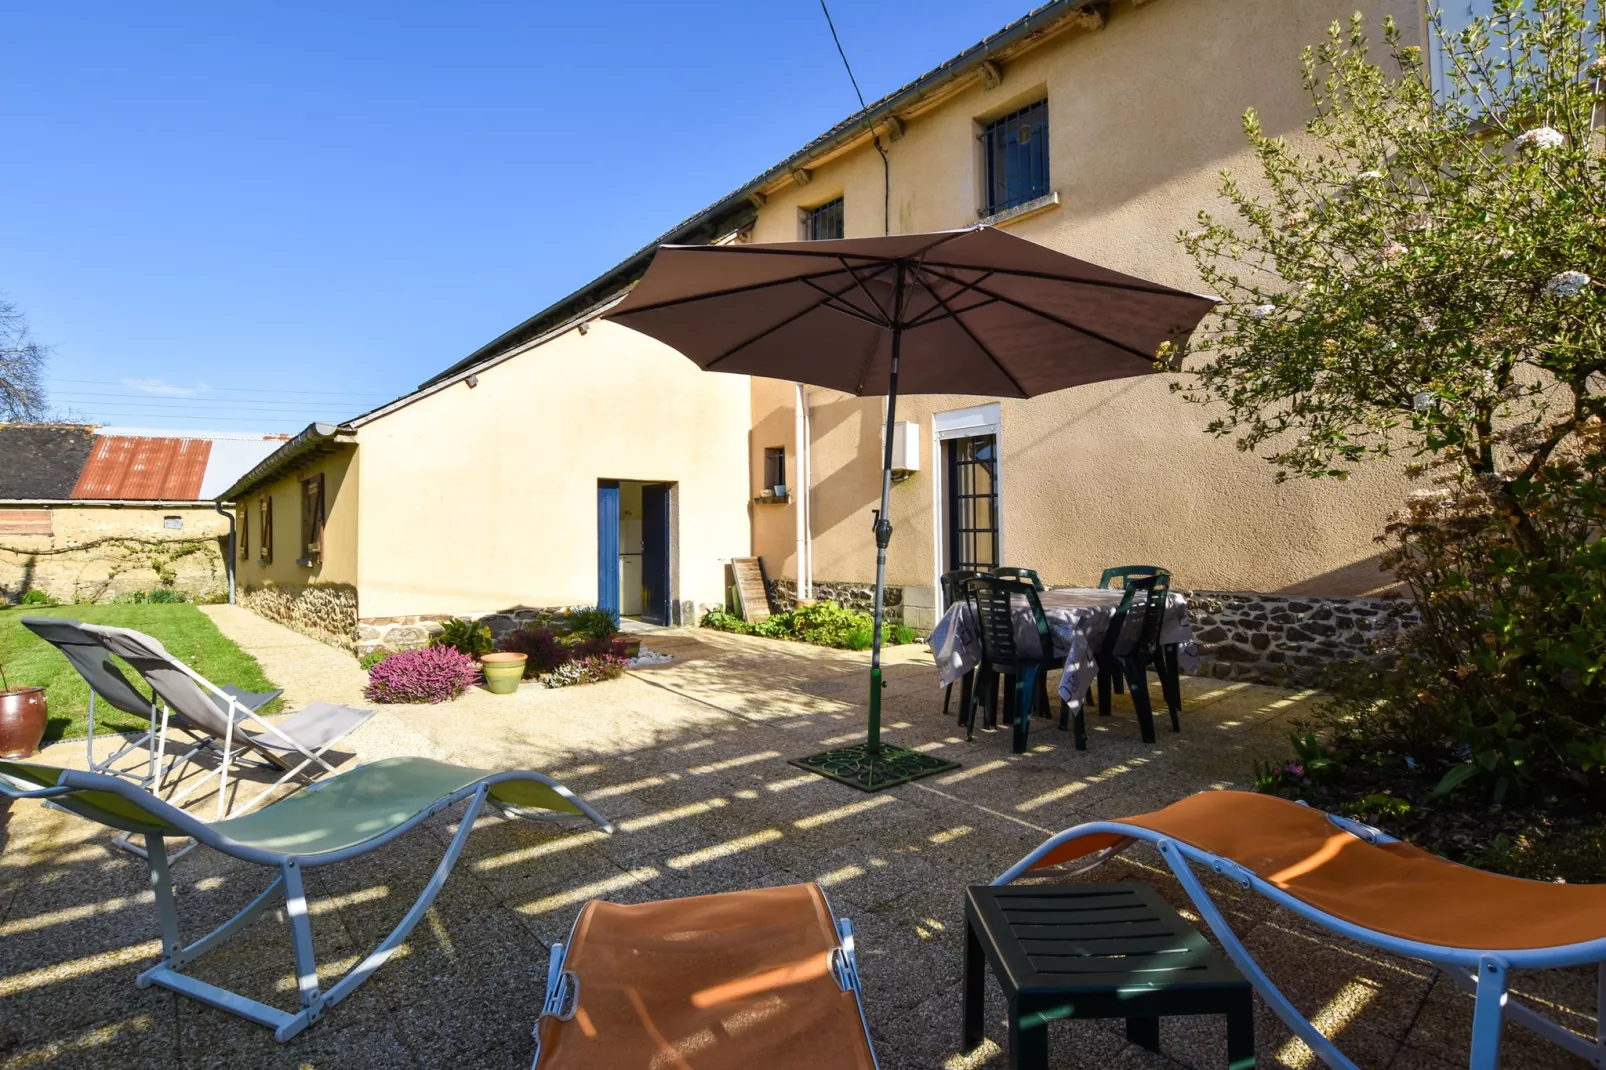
[1324, 1048]
[1592, 1052]
[363, 970]
[1488, 1013]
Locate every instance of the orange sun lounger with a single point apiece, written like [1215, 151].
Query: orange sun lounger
[761, 978]
[1361, 883]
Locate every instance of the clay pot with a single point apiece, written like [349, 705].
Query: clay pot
[22, 721]
[503, 672]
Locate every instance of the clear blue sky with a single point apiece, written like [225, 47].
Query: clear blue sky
[251, 215]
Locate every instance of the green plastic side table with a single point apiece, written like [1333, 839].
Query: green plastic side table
[1095, 951]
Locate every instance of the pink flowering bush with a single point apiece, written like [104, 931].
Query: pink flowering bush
[432, 674]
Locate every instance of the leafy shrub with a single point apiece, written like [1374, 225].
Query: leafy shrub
[432, 674]
[542, 649]
[721, 621]
[36, 597]
[586, 670]
[823, 624]
[466, 637]
[166, 596]
[613, 646]
[592, 622]
[372, 658]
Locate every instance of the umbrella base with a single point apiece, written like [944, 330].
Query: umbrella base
[860, 767]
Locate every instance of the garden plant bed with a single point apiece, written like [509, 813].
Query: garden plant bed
[1543, 837]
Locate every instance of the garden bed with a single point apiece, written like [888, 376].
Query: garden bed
[822, 624]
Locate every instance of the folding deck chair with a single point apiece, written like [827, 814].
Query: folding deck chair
[761, 978]
[107, 682]
[1367, 886]
[343, 817]
[291, 746]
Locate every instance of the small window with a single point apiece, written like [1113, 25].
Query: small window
[775, 469]
[824, 222]
[311, 520]
[1015, 151]
[265, 535]
[173, 523]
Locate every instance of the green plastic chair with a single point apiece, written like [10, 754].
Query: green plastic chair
[339, 818]
[1126, 572]
[993, 599]
[1024, 575]
[1132, 661]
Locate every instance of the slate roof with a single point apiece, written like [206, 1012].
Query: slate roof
[42, 460]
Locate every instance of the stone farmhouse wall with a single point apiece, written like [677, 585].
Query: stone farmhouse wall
[325, 611]
[96, 553]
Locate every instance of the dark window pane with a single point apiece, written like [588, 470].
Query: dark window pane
[825, 222]
[1015, 149]
[972, 503]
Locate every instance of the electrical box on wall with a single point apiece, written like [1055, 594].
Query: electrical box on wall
[905, 449]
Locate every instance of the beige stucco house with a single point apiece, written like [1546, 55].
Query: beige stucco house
[1099, 129]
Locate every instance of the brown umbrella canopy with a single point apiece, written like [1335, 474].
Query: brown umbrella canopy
[979, 311]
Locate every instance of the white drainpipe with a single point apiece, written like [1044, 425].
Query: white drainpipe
[800, 493]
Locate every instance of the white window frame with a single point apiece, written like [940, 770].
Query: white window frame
[961, 423]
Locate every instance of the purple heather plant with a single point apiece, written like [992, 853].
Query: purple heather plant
[432, 674]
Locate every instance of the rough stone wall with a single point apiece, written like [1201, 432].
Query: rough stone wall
[1290, 638]
[327, 612]
[783, 596]
[96, 553]
[413, 631]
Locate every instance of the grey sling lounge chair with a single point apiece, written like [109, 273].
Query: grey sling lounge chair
[107, 683]
[340, 818]
[291, 746]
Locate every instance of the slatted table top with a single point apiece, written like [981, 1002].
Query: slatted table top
[1086, 937]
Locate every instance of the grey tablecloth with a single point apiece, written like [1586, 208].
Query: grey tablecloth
[1078, 618]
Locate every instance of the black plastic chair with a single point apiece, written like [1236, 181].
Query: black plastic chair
[1133, 660]
[1010, 572]
[994, 602]
[953, 592]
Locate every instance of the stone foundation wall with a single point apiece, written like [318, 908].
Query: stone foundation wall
[1292, 639]
[327, 612]
[783, 596]
[411, 632]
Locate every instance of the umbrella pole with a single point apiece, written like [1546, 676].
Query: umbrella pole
[870, 766]
[883, 536]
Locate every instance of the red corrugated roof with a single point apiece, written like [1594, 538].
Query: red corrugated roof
[143, 469]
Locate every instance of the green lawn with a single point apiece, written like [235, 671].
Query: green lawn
[184, 630]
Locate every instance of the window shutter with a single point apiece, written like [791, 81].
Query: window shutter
[265, 507]
[243, 526]
[312, 517]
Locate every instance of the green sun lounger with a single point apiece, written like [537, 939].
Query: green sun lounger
[336, 819]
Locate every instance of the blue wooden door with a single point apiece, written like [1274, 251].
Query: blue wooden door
[608, 546]
[655, 553]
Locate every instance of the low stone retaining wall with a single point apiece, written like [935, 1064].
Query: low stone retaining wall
[326, 612]
[783, 596]
[1292, 638]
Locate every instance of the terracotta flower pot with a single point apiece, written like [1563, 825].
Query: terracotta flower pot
[503, 671]
[22, 721]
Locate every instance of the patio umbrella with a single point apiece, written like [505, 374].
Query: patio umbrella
[973, 311]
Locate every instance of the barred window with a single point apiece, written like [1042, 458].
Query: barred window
[1015, 150]
[823, 222]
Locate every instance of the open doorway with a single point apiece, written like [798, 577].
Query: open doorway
[633, 539]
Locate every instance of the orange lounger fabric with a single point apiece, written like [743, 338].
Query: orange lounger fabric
[1394, 889]
[736, 981]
